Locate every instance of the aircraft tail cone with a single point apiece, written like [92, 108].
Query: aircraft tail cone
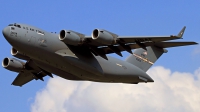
[150, 79]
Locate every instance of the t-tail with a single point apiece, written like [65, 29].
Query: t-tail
[144, 59]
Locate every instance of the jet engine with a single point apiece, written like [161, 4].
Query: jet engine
[71, 37]
[19, 55]
[13, 64]
[104, 37]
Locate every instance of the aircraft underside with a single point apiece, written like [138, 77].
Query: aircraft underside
[74, 56]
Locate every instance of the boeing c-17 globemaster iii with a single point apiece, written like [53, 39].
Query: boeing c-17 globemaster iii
[74, 56]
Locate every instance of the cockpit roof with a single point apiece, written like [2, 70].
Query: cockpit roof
[16, 25]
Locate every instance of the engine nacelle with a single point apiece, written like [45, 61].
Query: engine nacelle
[71, 37]
[13, 64]
[104, 37]
[19, 55]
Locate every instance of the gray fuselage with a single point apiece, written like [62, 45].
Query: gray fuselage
[70, 62]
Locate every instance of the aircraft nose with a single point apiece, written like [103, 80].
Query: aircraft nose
[6, 31]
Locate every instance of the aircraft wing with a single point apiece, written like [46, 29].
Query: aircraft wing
[103, 50]
[112, 43]
[30, 72]
[107, 50]
[23, 78]
[138, 39]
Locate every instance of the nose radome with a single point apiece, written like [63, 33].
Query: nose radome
[6, 31]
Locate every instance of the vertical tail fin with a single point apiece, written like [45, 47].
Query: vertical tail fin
[144, 59]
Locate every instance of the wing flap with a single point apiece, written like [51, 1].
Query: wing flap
[107, 50]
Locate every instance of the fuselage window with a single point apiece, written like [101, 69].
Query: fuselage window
[27, 28]
[10, 25]
[24, 27]
[31, 29]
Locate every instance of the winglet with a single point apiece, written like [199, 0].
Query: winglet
[180, 34]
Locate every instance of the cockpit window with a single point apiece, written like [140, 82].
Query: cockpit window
[16, 25]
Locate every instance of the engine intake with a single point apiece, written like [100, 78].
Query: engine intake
[18, 54]
[71, 37]
[13, 64]
[104, 37]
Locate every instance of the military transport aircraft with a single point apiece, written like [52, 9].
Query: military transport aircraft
[74, 56]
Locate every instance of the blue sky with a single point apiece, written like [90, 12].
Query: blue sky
[125, 17]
